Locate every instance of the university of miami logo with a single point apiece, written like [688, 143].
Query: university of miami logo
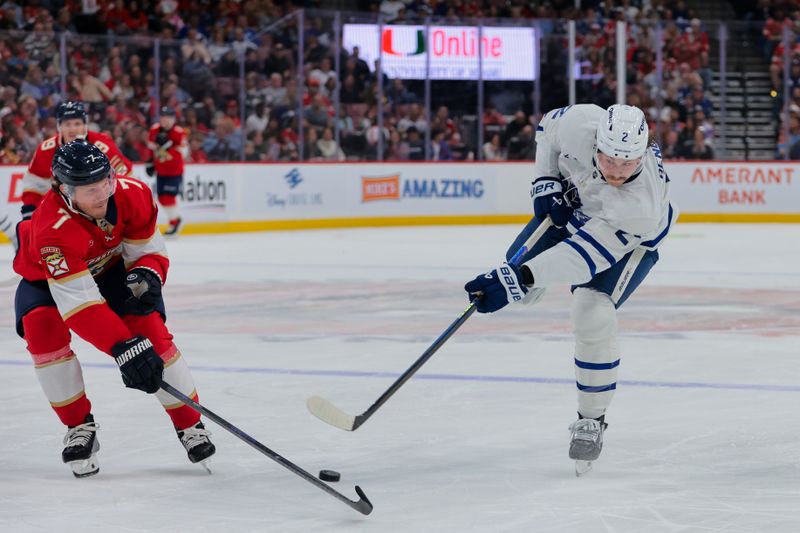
[388, 48]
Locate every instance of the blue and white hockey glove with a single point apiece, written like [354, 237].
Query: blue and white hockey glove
[495, 289]
[549, 198]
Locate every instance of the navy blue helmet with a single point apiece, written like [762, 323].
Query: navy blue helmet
[80, 163]
[70, 110]
[167, 111]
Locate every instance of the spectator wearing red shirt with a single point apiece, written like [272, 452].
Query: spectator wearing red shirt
[136, 19]
[196, 153]
[491, 116]
[116, 16]
[692, 46]
[773, 29]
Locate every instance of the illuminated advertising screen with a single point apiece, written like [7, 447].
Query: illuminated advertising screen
[508, 53]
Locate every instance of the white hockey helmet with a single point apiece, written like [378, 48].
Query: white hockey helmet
[624, 133]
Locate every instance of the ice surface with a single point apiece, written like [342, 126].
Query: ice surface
[703, 433]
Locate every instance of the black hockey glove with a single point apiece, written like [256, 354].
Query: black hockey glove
[162, 138]
[27, 211]
[555, 197]
[150, 169]
[145, 288]
[139, 363]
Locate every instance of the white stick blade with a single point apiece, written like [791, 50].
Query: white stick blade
[329, 413]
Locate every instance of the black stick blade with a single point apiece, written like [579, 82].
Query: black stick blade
[363, 506]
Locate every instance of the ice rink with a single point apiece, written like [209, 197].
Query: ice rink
[703, 433]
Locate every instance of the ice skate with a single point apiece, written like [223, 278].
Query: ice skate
[586, 442]
[80, 448]
[198, 446]
[173, 227]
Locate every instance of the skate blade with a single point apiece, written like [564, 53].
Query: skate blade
[205, 466]
[582, 467]
[85, 467]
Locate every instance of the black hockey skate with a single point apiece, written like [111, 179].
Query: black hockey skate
[198, 446]
[172, 229]
[80, 448]
[586, 442]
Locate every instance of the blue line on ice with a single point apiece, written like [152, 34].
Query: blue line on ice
[458, 377]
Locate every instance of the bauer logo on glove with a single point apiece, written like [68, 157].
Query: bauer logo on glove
[550, 198]
[545, 186]
[511, 284]
[494, 290]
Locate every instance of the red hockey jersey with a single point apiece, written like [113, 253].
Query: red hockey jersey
[168, 161]
[36, 181]
[69, 249]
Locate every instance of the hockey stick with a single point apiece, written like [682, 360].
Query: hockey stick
[363, 505]
[330, 414]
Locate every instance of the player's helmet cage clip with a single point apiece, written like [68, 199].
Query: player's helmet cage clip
[624, 133]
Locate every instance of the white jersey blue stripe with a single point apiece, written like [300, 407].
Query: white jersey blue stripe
[611, 221]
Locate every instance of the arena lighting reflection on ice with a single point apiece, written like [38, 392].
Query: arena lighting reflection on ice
[508, 53]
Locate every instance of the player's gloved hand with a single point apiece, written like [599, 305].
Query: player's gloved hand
[495, 289]
[162, 138]
[549, 199]
[145, 288]
[150, 169]
[139, 363]
[27, 211]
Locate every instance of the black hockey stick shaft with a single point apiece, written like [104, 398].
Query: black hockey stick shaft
[363, 505]
[432, 349]
[451, 329]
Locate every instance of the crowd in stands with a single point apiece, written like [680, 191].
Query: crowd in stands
[677, 105]
[230, 68]
[774, 17]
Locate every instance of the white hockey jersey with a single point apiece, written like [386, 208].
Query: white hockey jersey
[611, 221]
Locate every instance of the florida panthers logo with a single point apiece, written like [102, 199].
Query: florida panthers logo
[55, 261]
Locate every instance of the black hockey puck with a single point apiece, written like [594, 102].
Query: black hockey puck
[329, 475]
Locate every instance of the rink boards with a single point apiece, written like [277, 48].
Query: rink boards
[225, 197]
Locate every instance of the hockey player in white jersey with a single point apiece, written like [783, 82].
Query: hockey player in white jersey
[603, 185]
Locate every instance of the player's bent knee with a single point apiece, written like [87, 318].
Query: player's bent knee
[594, 318]
[45, 332]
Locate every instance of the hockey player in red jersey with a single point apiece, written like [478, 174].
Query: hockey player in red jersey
[72, 123]
[167, 140]
[93, 261]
